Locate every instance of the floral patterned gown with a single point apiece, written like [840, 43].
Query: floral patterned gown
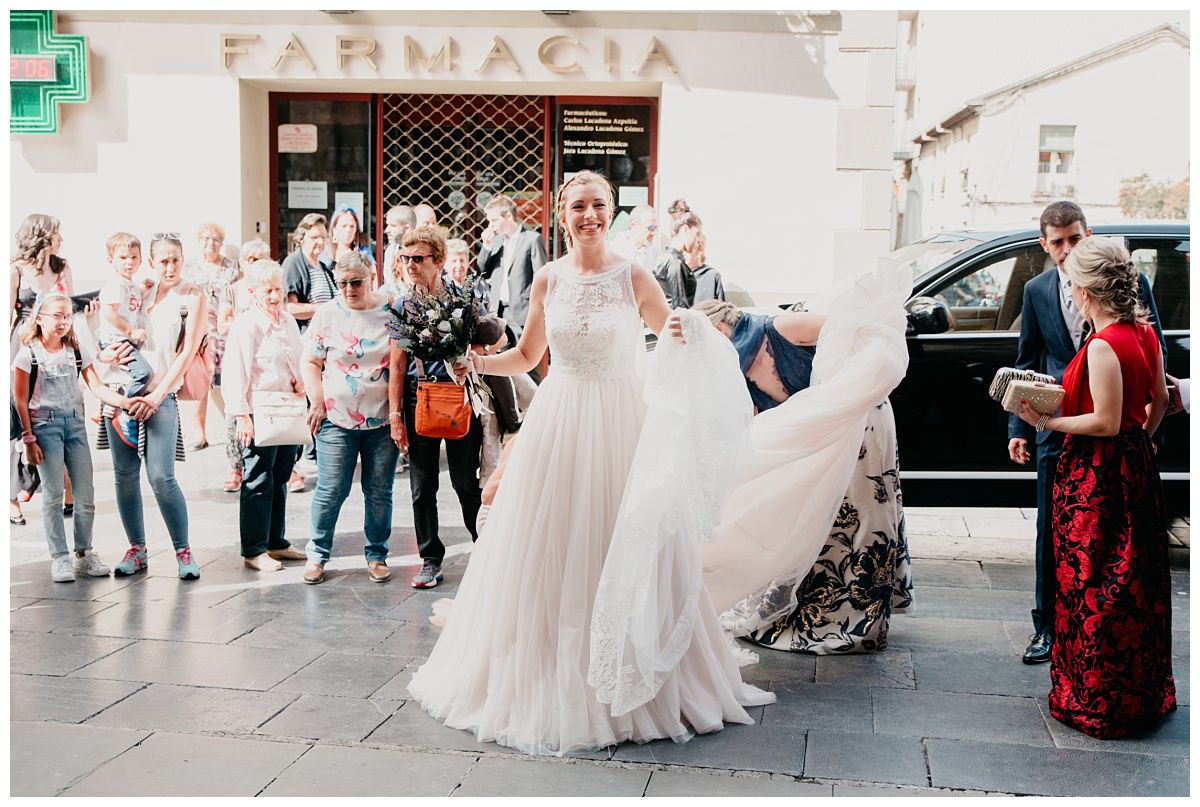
[1110, 666]
[862, 575]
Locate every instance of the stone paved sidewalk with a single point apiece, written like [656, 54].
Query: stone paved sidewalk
[255, 684]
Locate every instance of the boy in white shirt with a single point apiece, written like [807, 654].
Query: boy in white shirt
[122, 319]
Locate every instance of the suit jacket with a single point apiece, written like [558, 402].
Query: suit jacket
[523, 254]
[1045, 344]
[676, 279]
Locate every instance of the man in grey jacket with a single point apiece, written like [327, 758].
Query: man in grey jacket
[510, 255]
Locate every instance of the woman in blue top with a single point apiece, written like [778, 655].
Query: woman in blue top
[862, 575]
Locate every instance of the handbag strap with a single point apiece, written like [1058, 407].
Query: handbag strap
[420, 369]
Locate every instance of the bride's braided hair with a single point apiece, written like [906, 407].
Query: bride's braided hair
[583, 178]
[1103, 267]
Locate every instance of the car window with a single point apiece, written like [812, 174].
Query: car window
[1165, 262]
[986, 295]
[930, 253]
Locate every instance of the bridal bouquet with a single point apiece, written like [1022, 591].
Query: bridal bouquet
[440, 325]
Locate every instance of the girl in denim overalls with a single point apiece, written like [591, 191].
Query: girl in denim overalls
[53, 431]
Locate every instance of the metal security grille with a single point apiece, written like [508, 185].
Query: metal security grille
[455, 151]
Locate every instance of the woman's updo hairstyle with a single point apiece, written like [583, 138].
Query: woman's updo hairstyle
[719, 312]
[1103, 268]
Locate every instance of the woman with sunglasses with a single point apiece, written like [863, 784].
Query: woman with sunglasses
[172, 342]
[423, 253]
[345, 373]
[213, 273]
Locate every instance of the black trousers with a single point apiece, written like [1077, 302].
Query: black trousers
[1046, 586]
[424, 467]
[265, 473]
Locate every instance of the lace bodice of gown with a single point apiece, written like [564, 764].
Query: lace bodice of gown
[592, 323]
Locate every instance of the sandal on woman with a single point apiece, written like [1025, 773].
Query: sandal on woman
[234, 483]
[296, 483]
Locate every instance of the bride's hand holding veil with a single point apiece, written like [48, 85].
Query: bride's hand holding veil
[675, 327]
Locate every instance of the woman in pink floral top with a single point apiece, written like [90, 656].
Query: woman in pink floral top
[346, 375]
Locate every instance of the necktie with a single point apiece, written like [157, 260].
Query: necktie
[1075, 322]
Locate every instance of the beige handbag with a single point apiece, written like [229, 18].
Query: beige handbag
[1005, 375]
[1043, 398]
[280, 419]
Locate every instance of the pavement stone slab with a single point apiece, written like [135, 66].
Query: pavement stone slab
[192, 710]
[956, 573]
[56, 654]
[411, 727]
[994, 718]
[320, 718]
[320, 632]
[396, 688]
[1025, 770]
[158, 591]
[342, 674]
[963, 603]
[45, 758]
[980, 674]
[865, 757]
[201, 665]
[1000, 523]
[915, 632]
[63, 700]
[351, 772]
[1012, 577]
[820, 706]
[332, 597]
[1181, 668]
[953, 547]
[881, 791]
[890, 668]
[777, 666]
[174, 624]
[168, 764]
[934, 523]
[769, 748]
[43, 616]
[527, 776]
[20, 602]
[411, 639]
[33, 580]
[696, 783]
[1172, 737]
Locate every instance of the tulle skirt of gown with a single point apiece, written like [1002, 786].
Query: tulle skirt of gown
[511, 664]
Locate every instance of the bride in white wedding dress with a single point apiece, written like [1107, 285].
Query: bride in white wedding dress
[512, 663]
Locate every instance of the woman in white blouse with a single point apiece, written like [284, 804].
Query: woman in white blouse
[263, 354]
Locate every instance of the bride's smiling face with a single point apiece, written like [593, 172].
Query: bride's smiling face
[587, 213]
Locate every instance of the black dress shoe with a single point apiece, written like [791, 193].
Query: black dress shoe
[1038, 651]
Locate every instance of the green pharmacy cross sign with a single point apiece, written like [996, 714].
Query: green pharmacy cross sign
[45, 70]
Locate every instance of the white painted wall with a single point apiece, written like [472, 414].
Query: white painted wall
[748, 129]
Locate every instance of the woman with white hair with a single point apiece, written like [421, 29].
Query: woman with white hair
[263, 355]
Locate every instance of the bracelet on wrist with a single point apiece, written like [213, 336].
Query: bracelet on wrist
[1041, 424]
[28, 439]
[396, 416]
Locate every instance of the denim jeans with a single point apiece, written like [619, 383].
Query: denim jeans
[338, 452]
[264, 497]
[63, 440]
[160, 470]
[424, 468]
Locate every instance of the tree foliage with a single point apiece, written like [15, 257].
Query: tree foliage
[1141, 197]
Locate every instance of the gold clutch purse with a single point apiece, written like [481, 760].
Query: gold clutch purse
[1043, 398]
[1006, 375]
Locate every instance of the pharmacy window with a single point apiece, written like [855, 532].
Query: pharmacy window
[1056, 161]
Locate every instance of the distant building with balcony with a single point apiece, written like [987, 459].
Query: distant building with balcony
[1072, 130]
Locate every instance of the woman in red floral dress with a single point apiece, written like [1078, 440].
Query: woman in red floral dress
[1110, 667]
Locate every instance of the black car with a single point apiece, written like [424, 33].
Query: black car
[964, 322]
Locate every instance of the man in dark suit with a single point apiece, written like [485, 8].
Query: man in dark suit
[1052, 331]
[510, 254]
[672, 271]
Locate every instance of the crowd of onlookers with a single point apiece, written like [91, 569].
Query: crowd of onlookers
[219, 326]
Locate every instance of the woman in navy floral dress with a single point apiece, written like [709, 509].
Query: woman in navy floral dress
[1110, 668]
[862, 575]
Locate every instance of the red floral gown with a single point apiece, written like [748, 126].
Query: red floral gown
[1110, 667]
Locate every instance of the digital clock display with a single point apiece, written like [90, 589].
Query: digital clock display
[36, 68]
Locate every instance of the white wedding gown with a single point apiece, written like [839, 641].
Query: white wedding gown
[512, 662]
